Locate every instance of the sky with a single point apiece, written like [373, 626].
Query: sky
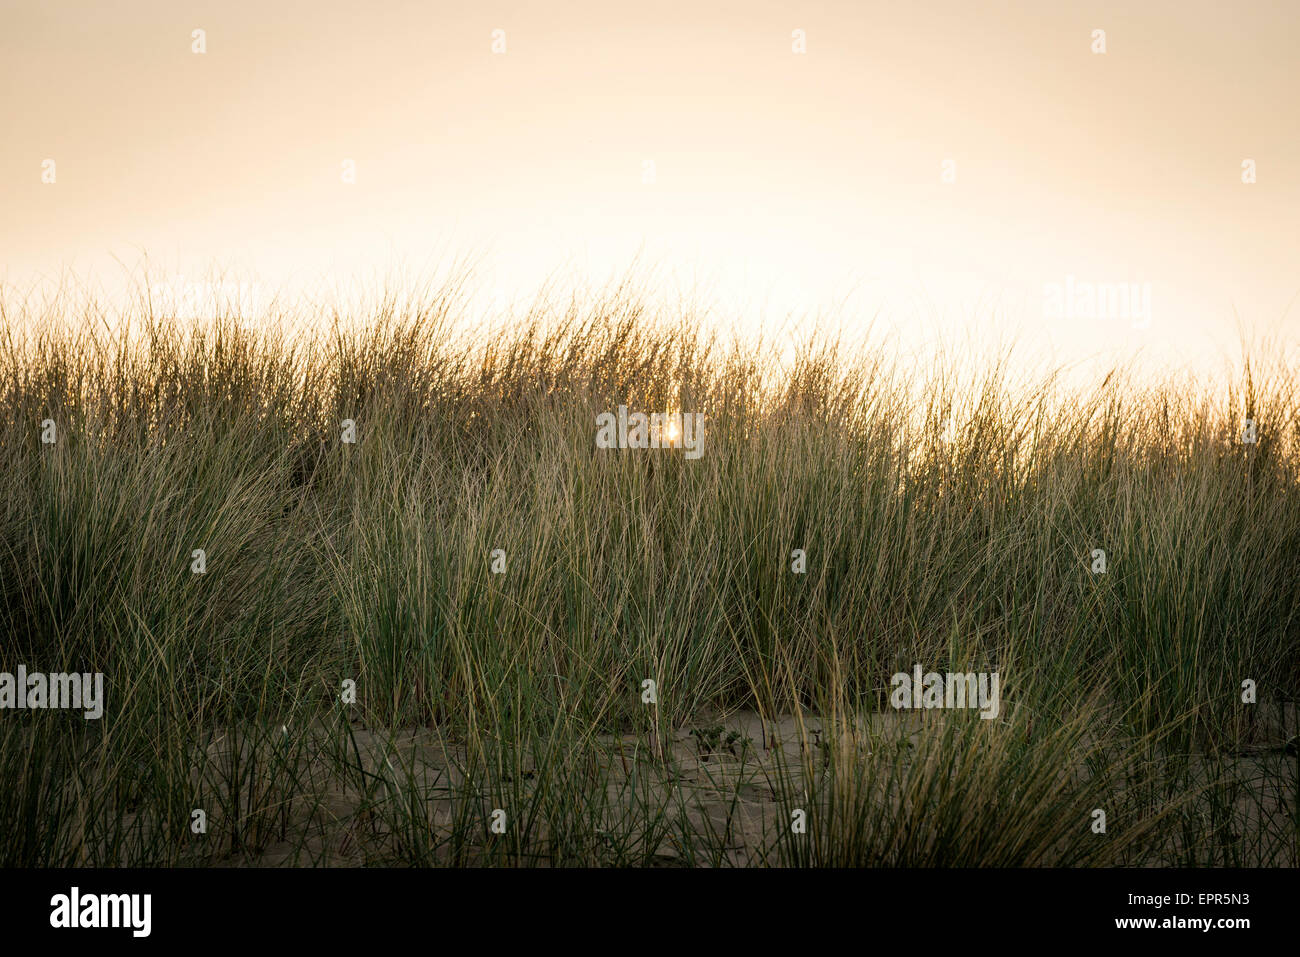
[954, 169]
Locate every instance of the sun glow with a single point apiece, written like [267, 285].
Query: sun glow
[672, 430]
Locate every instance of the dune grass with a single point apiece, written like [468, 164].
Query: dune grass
[947, 521]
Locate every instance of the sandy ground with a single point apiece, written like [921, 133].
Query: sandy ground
[721, 774]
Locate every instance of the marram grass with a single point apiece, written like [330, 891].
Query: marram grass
[496, 590]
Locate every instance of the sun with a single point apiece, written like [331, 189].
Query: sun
[672, 430]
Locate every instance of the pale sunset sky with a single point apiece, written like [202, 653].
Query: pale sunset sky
[942, 166]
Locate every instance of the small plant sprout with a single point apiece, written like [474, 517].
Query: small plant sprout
[710, 741]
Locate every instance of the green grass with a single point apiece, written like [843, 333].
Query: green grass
[947, 520]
